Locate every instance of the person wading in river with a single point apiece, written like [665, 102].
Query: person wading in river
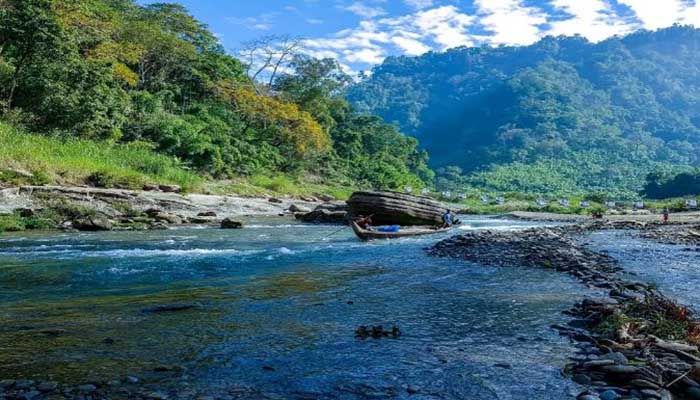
[665, 217]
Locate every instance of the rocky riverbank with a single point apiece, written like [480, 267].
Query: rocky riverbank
[635, 343]
[93, 209]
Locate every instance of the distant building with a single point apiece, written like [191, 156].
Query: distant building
[500, 200]
[485, 199]
[425, 192]
[639, 205]
[541, 202]
[408, 189]
[585, 204]
[564, 203]
[610, 204]
[691, 203]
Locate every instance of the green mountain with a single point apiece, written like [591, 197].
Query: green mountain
[562, 115]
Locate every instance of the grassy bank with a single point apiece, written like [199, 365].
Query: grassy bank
[33, 159]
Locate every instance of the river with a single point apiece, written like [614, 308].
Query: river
[276, 306]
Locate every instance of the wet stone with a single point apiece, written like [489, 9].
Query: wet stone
[618, 358]
[5, 383]
[23, 384]
[609, 395]
[33, 394]
[132, 379]
[47, 386]
[581, 379]
[87, 388]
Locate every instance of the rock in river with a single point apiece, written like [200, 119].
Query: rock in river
[228, 223]
[92, 224]
[396, 208]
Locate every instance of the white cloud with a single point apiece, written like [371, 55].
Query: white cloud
[497, 22]
[510, 22]
[364, 10]
[445, 26]
[594, 20]
[411, 46]
[655, 14]
[419, 4]
[262, 22]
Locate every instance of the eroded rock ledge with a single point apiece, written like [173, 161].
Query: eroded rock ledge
[635, 343]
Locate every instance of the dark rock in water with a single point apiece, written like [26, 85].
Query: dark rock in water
[53, 332]
[376, 332]
[268, 368]
[503, 365]
[30, 395]
[324, 215]
[170, 188]
[201, 220]
[410, 389]
[108, 341]
[582, 379]
[168, 308]
[6, 383]
[618, 358]
[92, 224]
[87, 388]
[609, 395]
[207, 214]
[47, 386]
[23, 384]
[274, 200]
[228, 223]
[156, 396]
[396, 208]
[149, 187]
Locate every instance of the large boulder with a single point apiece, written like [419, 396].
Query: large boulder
[396, 208]
[229, 223]
[92, 224]
[325, 214]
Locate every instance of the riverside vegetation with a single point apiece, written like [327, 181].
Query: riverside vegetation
[111, 93]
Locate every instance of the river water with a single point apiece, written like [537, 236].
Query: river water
[276, 307]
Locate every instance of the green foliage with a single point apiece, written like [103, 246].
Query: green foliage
[563, 116]
[660, 186]
[75, 161]
[118, 72]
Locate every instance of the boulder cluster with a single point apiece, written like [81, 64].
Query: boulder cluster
[634, 344]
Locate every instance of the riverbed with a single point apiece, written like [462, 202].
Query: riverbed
[271, 313]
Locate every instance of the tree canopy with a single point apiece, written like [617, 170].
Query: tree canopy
[116, 71]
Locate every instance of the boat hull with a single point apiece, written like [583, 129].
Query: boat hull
[366, 235]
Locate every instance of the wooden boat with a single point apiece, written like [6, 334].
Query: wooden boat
[365, 235]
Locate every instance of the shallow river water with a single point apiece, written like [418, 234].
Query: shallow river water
[277, 305]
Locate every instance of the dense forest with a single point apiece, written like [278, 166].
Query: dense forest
[563, 115]
[153, 77]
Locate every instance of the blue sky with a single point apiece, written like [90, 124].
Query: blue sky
[361, 33]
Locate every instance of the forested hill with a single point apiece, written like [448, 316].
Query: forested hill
[563, 114]
[153, 78]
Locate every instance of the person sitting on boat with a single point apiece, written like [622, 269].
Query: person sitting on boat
[365, 223]
[447, 219]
